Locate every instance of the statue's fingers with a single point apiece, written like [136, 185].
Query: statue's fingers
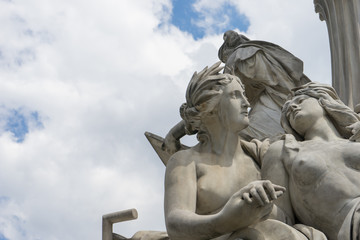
[262, 194]
[355, 137]
[279, 188]
[351, 128]
[271, 190]
[355, 126]
[246, 197]
[255, 195]
[279, 193]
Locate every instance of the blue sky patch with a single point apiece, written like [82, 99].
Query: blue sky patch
[2, 237]
[205, 21]
[18, 123]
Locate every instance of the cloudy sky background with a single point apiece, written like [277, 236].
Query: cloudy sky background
[80, 83]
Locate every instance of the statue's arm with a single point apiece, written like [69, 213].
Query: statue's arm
[172, 140]
[273, 169]
[180, 201]
[182, 221]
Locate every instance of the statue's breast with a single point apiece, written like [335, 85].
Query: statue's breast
[351, 155]
[309, 167]
[320, 167]
[324, 178]
[214, 188]
[216, 183]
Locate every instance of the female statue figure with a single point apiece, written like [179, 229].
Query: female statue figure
[317, 163]
[213, 190]
[268, 72]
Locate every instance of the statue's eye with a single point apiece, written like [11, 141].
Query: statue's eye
[236, 94]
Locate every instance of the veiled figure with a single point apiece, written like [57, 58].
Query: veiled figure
[268, 72]
[317, 163]
[213, 190]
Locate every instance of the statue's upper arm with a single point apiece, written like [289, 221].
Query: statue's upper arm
[273, 169]
[180, 183]
[272, 162]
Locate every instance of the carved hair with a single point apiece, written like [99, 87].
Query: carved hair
[231, 41]
[339, 114]
[202, 97]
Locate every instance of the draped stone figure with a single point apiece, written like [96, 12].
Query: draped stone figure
[268, 72]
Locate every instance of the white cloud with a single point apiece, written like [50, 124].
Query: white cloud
[100, 74]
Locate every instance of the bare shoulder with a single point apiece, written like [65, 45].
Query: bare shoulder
[272, 161]
[274, 152]
[185, 159]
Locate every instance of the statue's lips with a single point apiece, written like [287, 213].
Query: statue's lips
[244, 112]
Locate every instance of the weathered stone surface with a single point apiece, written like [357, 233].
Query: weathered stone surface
[343, 23]
[317, 163]
[268, 72]
[214, 189]
[304, 186]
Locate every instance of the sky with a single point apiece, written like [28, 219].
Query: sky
[80, 83]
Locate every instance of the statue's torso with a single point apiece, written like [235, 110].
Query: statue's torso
[324, 178]
[217, 183]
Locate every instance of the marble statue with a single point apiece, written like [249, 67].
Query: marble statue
[237, 182]
[214, 189]
[268, 72]
[317, 163]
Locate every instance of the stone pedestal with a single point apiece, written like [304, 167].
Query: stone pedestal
[343, 23]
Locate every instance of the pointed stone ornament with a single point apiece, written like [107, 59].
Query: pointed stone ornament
[156, 142]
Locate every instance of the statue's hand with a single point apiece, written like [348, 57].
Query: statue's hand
[250, 204]
[237, 214]
[171, 145]
[261, 192]
[355, 130]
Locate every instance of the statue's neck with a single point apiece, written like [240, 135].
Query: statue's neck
[322, 129]
[221, 140]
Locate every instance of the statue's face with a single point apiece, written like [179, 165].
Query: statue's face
[233, 107]
[303, 112]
